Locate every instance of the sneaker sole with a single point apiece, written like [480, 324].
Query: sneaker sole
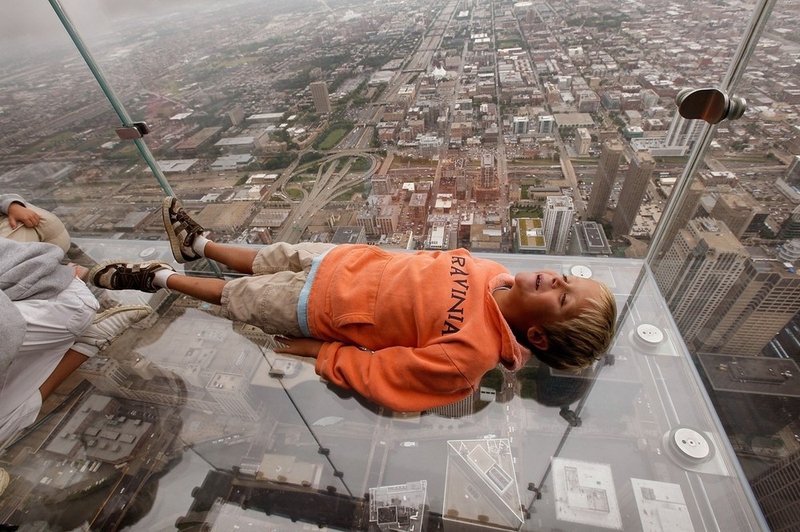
[174, 241]
[94, 271]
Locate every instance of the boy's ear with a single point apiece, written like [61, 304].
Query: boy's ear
[538, 338]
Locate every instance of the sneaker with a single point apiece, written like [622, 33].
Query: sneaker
[109, 324]
[181, 229]
[127, 275]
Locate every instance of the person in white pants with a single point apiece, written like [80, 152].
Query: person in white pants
[49, 323]
[47, 353]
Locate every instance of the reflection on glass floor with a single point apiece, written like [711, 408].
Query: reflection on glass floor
[192, 421]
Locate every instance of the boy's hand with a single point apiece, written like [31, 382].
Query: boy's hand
[304, 347]
[19, 214]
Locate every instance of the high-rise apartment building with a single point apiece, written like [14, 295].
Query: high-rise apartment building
[697, 271]
[349, 234]
[632, 193]
[558, 214]
[379, 217]
[319, 93]
[382, 185]
[604, 180]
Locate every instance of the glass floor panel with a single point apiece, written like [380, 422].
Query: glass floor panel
[190, 421]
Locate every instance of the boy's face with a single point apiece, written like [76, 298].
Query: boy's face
[547, 296]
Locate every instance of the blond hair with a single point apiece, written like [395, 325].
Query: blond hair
[577, 342]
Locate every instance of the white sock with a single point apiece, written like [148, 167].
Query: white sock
[199, 245]
[161, 276]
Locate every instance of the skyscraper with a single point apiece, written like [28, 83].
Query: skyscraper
[319, 93]
[477, 497]
[791, 226]
[606, 174]
[632, 193]
[558, 214]
[488, 173]
[793, 173]
[583, 141]
[588, 238]
[697, 271]
[683, 132]
[765, 296]
[778, 493]
[737, 210]
[487, 188]
[686, 211]
[383, 185]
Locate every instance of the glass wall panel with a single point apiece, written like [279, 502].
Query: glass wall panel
[727, 271]
[54, 119]
[470, 114]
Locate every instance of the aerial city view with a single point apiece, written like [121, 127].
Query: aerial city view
[543, 134]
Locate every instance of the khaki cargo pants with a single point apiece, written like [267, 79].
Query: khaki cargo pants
[268, 298]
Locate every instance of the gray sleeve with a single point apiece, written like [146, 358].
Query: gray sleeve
[7, 199]
[32, 270]
[12, 331]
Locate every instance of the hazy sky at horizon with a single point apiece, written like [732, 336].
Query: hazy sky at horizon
[29, 21]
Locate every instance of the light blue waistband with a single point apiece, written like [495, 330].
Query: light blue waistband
[302, 303]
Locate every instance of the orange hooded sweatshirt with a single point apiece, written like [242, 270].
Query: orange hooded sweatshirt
[408, 331]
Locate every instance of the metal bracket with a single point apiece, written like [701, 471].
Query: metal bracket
[136, 130]
[711, 105]
[570, 417]
[536, 491]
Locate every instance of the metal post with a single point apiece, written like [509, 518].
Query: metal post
[728, 85]
[110, 94]
[116, 103]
